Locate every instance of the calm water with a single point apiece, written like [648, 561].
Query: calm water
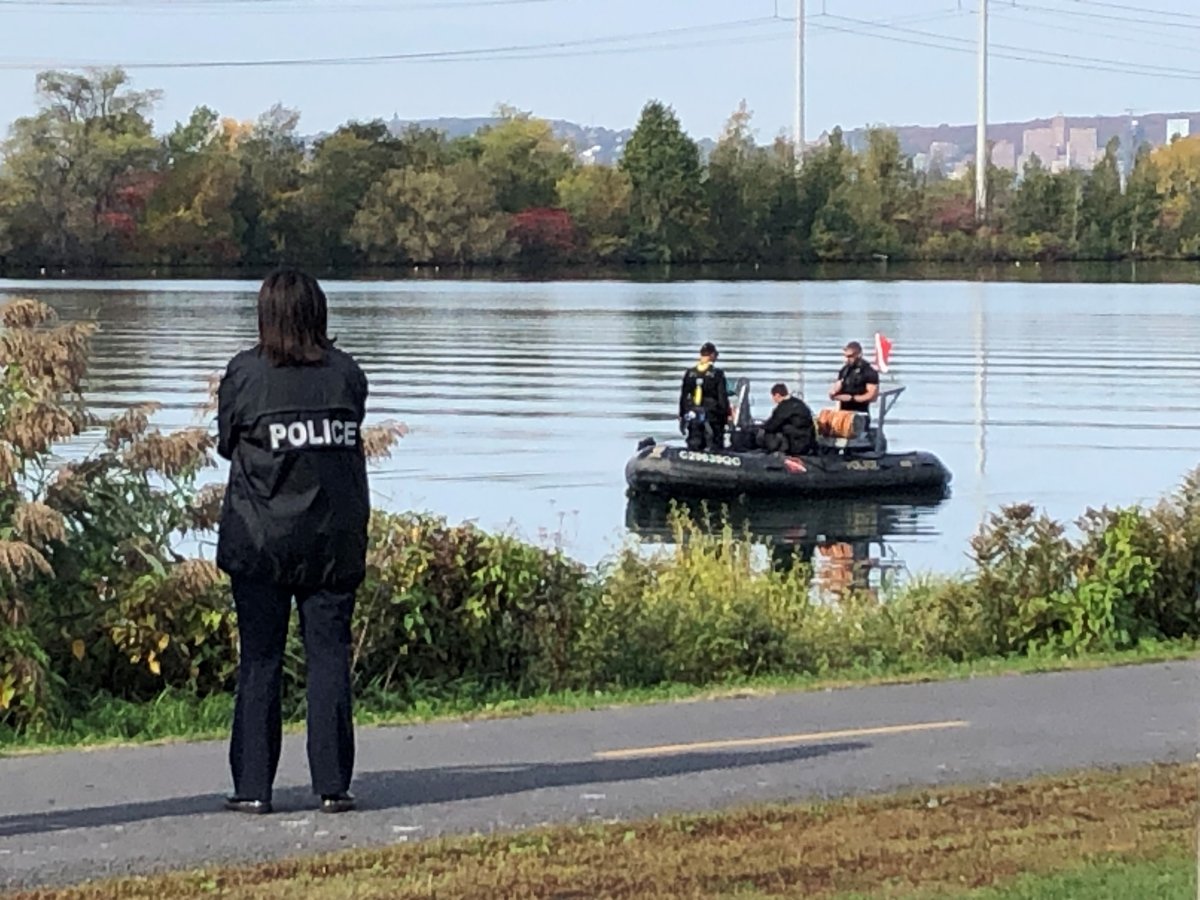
[525, 400]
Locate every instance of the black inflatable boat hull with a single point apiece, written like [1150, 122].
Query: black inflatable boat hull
[664, 470]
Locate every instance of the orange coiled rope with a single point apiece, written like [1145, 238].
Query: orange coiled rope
[838, 423]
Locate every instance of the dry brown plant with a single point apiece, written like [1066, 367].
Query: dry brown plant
[39, 525]
[379, 440]
[130, 425]
[171, 455]
[19, 561]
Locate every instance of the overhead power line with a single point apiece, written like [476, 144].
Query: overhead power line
[1092, 15]
[256, 7]
[1125, 35]
[474, 54]
[1140, 10]
[1005, 51]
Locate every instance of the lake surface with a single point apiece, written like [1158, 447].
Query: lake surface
[525, 400]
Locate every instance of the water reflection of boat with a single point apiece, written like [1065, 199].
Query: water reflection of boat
[845, 540]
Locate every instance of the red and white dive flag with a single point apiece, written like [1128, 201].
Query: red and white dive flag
[883, 350]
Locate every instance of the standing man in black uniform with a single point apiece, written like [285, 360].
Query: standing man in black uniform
[857, 383]
[293, 525]
[704, 402]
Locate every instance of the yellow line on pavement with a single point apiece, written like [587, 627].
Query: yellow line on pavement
[735, 743]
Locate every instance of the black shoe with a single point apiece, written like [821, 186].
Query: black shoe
[336, 803]
[243, 805]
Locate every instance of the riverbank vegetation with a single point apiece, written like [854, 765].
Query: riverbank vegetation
[104, 622]
[1103, 836]
[86, 185]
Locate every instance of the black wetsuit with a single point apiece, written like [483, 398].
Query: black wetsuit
[706, 428]
[790, 428]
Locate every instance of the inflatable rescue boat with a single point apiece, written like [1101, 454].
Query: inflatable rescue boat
[856, 460]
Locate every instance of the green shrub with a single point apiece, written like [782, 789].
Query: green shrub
[451, 603]
[1022, 561]
[940, 618]
[704, 610]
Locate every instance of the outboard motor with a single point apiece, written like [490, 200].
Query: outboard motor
[742, 437]
[743, 418]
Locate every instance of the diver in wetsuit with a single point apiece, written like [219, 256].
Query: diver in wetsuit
[790, 427]
[704, 403]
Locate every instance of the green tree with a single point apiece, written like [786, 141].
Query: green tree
[668, 217]
[522, 160]
[1103, 210]
[343, 167]
[271, 156]
[752, 194]
[826, 226]
[189, 218]
[419, 148]
[884, 197]
[432, 216]
[64, 168]
[1145, 205]
[1045, 209]
[598, 198]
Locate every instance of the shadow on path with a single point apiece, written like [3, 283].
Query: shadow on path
[415, 787]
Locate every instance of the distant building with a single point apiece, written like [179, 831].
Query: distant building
[1178, 128]
[1004, 155]
[1044, 143]
[944, 156]
[1082, 148]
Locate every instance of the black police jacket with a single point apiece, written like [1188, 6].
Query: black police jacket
[792, 419]
[296, 505]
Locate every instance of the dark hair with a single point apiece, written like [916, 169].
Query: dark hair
[779, 390]
[709, 349]
[855, 346]
[292, 318]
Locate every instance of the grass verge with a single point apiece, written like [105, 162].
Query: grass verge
[182, 717]
[1129, 828]
[1171, 878]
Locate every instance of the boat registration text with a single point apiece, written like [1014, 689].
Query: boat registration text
[714, 458]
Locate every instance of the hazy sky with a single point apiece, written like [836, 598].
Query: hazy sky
[713, 54]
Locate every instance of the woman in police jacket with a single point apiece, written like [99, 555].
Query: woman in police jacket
[293, 525]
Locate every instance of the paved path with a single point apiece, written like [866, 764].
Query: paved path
[70, 816]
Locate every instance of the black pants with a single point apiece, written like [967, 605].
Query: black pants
[772, 443]
[263, 611]
[706, 435]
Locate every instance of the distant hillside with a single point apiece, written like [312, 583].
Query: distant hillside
[606, 145]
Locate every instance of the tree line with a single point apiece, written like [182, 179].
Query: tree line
[86, 183]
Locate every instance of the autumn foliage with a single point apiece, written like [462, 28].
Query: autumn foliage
[544, 235]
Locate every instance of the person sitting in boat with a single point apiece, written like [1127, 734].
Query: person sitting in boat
[790, 427]
[857, 383]
[704, 402]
